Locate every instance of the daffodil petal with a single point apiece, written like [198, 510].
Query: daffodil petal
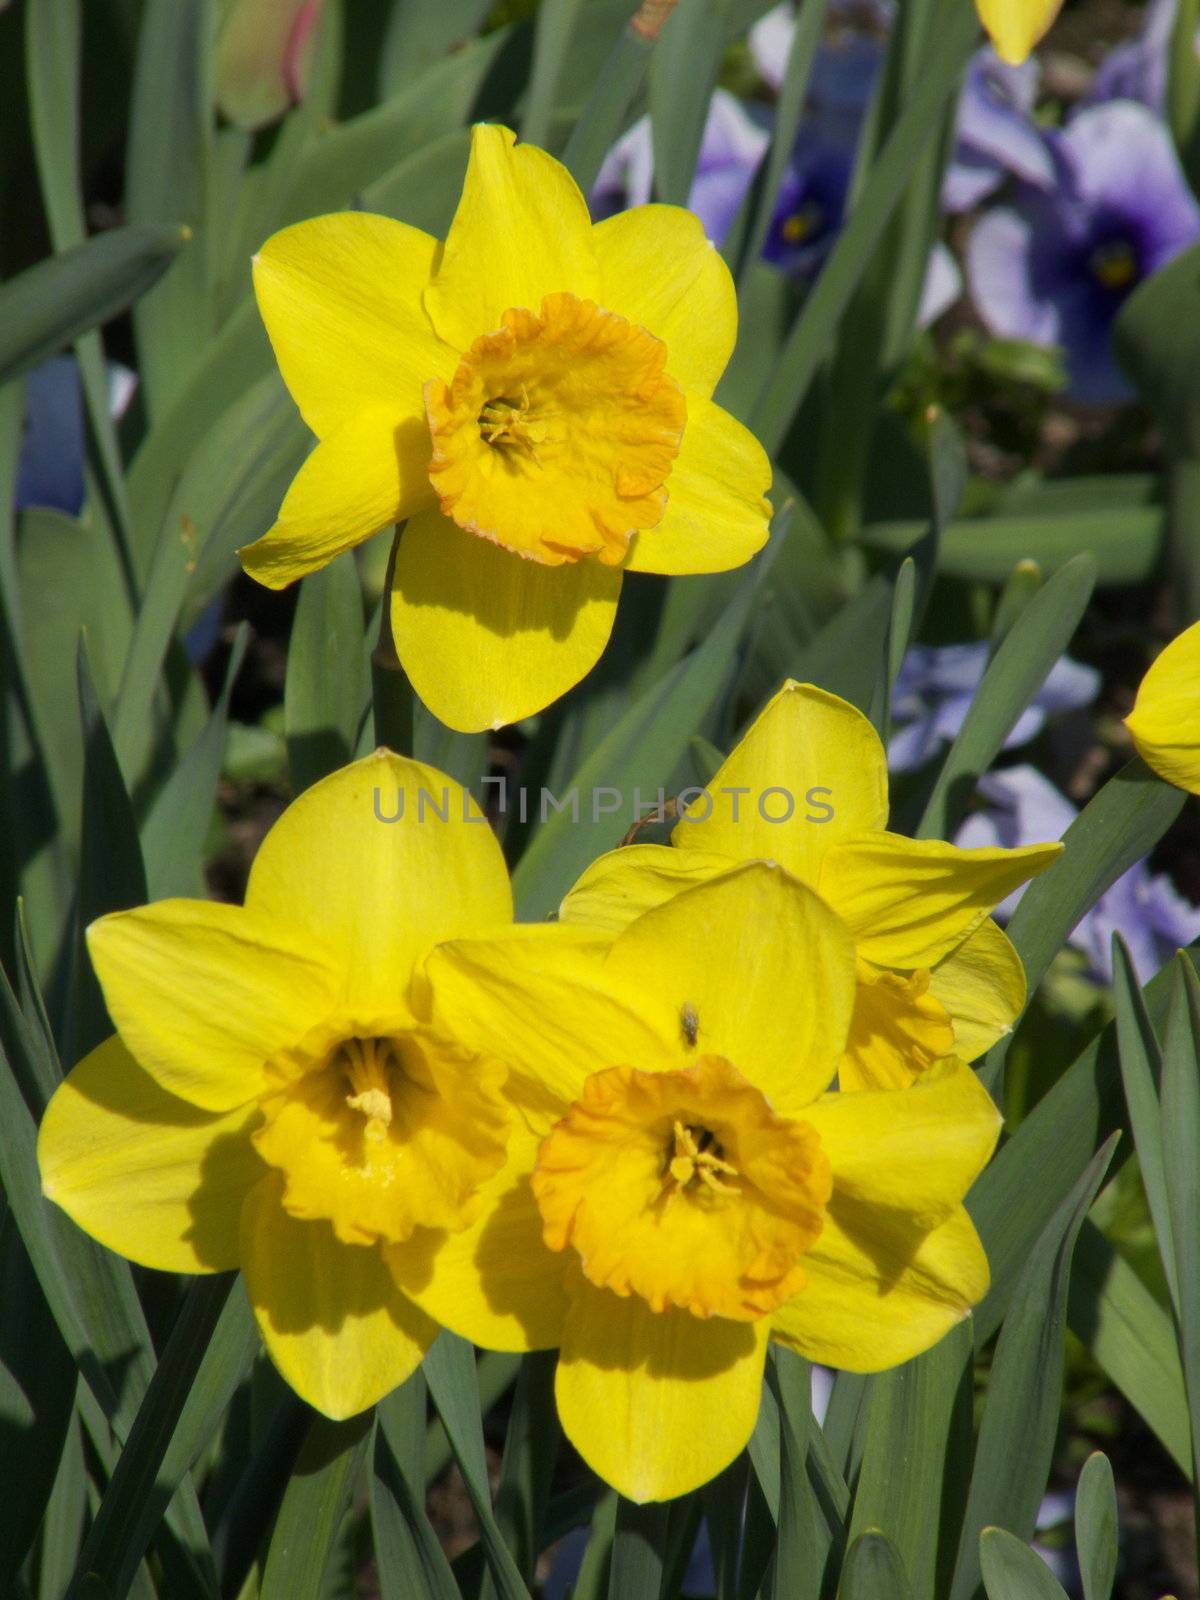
[909, 902]
[488, 638]
[204, 994]
[756, 1011]
[657, 1403]
[521, 231]
[625, 883]
[688, 300]
[372, 471]
[1165, 720]
[1015, 26]
[495, 1283]
[717, 512]
[379, 861]
[981, 983]
[341, 299]
[330, 1314]
[545, 1005]
[810, 759]
[880, 1291]
[913, 1151]
[149, 1175]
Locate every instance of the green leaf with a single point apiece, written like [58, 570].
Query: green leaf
[449, 1368]
[66, 1510]
[327, 691]
[1181, 1172]
[1131, 1335]
[530, 1449]
[815, 328]
[111, 874]
[49, 305]
[1014, 675]
[168, 158]
[638, 756]
[1141, 1074]
[177, 825]
[420, 32]
[605, 112]
[209, 1351]
[411, 1561]
[1096, 1527]
[37, 1399]
[916, 1459]
[873, 1569]
[683, 74]
[1126, 543]
[636, 1569]
[554, 24]
[1020, 1419]
[1012, 1571]
[318, 1496]
[1157, 342]
[799, 1556]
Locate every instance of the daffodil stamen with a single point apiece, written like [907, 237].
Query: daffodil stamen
[696, 1154]
[369, 1066]
[631, 1176]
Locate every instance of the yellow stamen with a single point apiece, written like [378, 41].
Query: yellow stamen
[368, 1065]
[1115, 265]
[694, 1159]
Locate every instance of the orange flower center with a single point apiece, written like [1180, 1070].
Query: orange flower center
[555, 437]
[684, 1188]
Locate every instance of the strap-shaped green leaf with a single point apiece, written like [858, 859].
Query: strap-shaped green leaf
[318, 1496]
[412, 1564]
[1016, 1436]
[1012, 1571]
[326, 691]
[1181, 1172]
[872, 1569]
[49, 305]
[1096, 1527]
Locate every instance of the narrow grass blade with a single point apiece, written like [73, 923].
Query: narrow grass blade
[554, 24]
[1017, 671]
[176, 827]
[66, 1511]
[450, 1373]
[206, 1356]
[1096, 1527]
[49, 305]
[812, 334]
[1016, 1436]
[37, 1399]
[327, 691]
[1141, 1074]
[530, 1448]
[412, 1564]
[315, 1503]
[604, 114]
[798, 1561]
[1181, 1173]
[1012, 1571]
[683, 74]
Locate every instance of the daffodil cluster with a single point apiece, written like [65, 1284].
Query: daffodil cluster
[721, 1101]
[725, 1097]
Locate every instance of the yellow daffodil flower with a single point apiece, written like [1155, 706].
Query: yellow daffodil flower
[808, 787]
[274, 1098]
[1165, 720]
[1015, 26]
[679, 1186]
[534, 396]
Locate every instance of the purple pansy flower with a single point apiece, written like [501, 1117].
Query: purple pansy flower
[732, 148]
[936, 684]
[1055, 267]
[1145, 908]
[995, 134]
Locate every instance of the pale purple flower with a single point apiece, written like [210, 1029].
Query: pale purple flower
[1056, 266]
[1145, 908]
[50, 464]
[732, 148]
[936, 684]
[995, 136]
[1138, 70]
